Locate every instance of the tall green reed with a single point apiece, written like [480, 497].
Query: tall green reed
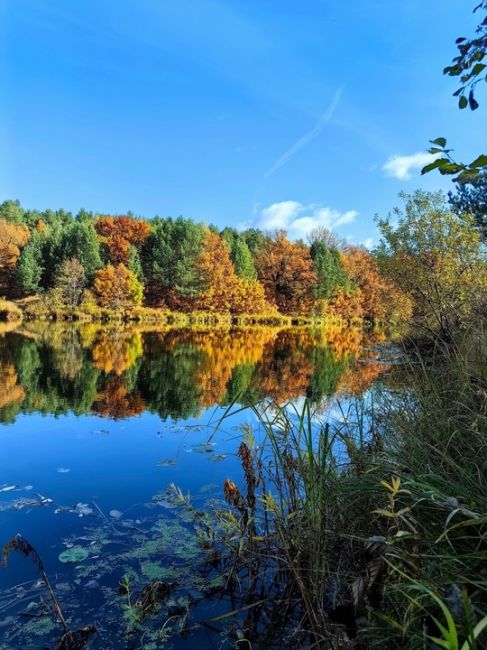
[379, 520]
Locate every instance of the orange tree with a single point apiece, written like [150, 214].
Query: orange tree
[217, 275]
[12, 238]
[119, 234]
[379, 298]
[224, 290]
[116, 287]
[286, 272]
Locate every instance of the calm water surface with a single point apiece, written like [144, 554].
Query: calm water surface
[99, 424]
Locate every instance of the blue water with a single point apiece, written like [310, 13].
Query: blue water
[63, 458]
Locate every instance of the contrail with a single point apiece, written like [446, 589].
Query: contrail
[308, 137]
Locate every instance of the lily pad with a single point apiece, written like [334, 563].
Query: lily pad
[75, 554]
[40, 627]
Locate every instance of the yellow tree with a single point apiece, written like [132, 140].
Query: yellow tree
[217, 274]
[249, 298]
[436, 257]
[115, 287]
[224, 289]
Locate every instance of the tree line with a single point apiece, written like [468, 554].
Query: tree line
[430, 256]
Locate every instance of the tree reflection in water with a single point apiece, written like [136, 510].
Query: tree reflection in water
[119, 372]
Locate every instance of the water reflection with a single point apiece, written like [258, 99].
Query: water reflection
[118, 372]
[113, 490]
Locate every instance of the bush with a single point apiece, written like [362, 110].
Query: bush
[9, 311]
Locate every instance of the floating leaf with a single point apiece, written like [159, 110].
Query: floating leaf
[202, 449]
[166, 463]
[115, 514]
[218, 457]
[83, 509]
[75, 554]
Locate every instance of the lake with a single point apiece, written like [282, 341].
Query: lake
[108, 433]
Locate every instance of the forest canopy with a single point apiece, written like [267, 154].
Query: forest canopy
[121, 262]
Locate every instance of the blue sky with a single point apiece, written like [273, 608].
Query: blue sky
[263, 112]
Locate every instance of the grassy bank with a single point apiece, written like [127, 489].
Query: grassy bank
[371, 532]
[9, 311]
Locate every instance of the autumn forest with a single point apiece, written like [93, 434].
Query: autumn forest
[90, 262]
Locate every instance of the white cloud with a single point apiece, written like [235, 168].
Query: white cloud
[279, 215]
[400, 167]
[299, 219]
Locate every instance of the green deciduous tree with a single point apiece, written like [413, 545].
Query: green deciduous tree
[242, 260]
[435, 257]
[255, 240]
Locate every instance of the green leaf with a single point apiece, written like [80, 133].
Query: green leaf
[463, 102]
[481, 625]
[384, 513]
[441, 142]
[477, 69]
[472, 102]
[434, 165]
[450, 168]
[479, 162]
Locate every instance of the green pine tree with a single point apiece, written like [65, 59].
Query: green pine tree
[242, 260]
[30, 269]
[329, 270]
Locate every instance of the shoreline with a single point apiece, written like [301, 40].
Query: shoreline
[29, 310]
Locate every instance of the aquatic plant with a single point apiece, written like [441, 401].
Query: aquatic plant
[372, 529]
[70, 639]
